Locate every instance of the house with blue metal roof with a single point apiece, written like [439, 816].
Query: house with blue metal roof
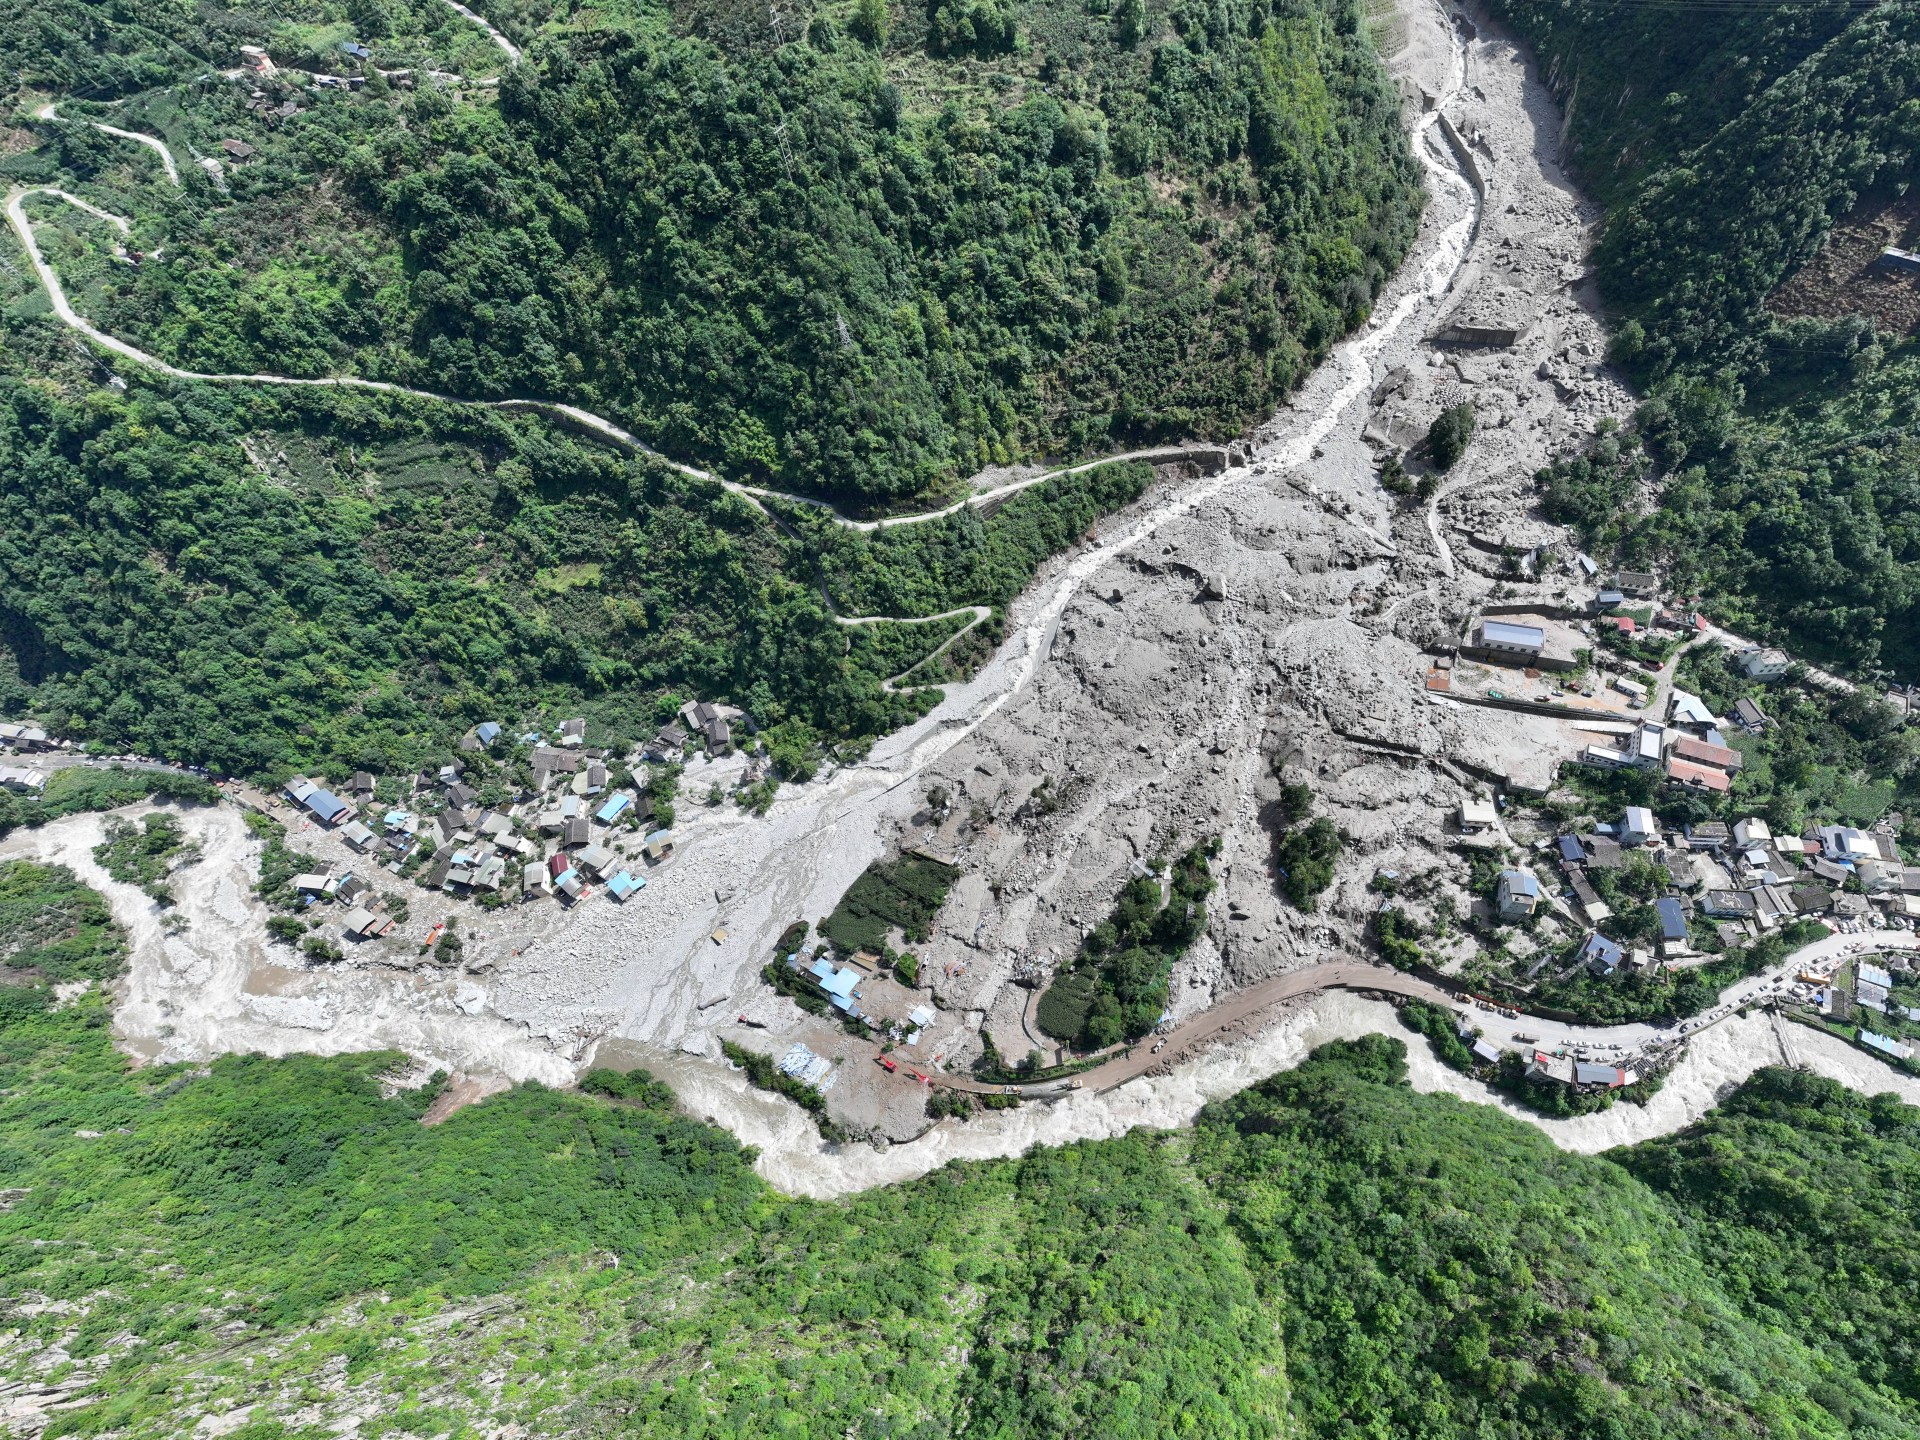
[623, 885]
[327, 807]
[615, 807]
[487, 732]
[839, 982]
[1601, 955]
[1673, 920]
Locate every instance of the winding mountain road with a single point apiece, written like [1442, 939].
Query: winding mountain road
[158, 146]
[1242, 1006]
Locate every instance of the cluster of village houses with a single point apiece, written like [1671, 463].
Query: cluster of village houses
[22, 737]
[571, 834]
[1742, 878]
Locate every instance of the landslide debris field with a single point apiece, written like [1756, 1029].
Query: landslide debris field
[1275, 611]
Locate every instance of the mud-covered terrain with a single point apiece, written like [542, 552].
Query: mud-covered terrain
[1228, 626]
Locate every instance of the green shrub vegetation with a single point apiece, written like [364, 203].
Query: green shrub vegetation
[53, 928]
[1305, 848]
[76, 789]
[1116, 988]
[854, 253]
[995, 229]
[1304, 855]
[903, 893]
[1399, 937]
[1447, 437]
[1795, 1180]
[147, 853]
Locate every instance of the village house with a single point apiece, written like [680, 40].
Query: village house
[1638, 583]
[1673, 922]
[363, 924]
[596, 860]
[1599, 954]
[839, 984]
[1702, 752]
[1592, 907]
[1763, 664]
[1516, 894]
[1729, 905]
[1600, 852]
[23, 736]
[1844, 845]
[238, 151]
[624, 885]
[1637, 826]
[1554, 1068]
[1477, 814]
[21, 780]
[1878, 877]
[1773, 905]
[1685, 709]
[1589, 1072]
[1706, 778]
[713, 723]
[1851, 907]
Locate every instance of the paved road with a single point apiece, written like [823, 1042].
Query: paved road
[159, 147]
[1235, 1010]
[1245, 1004]
[598, 424]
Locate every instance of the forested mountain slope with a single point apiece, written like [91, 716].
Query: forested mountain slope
[857, 249]
[1327, 1254]
[1724, 143]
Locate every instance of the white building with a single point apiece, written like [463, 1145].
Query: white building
[1477, 814]
[1637, 827]
[1764, 665]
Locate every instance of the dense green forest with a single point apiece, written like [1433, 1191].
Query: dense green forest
[1724, 142]
[1327, 1254]
[860, 250]
[1116, 988]
[268, 581]
[849, 249]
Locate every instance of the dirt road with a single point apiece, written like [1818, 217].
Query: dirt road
[1147, 1056]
